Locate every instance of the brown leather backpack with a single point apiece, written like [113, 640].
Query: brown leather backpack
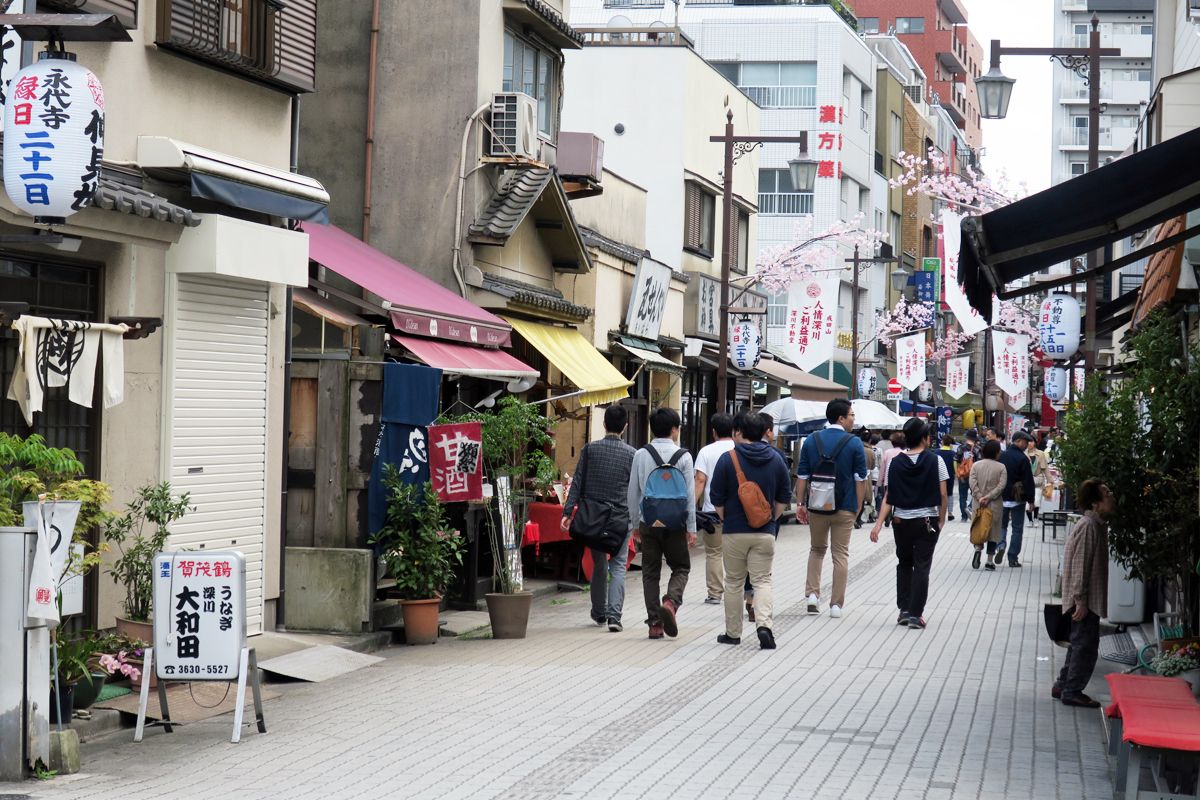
[754, 504]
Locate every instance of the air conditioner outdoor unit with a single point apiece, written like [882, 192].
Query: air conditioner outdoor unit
[514, 126]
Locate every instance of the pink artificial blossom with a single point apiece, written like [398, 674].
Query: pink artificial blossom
[905, 318]
[949, 345]
[969, 191]
[782, 266]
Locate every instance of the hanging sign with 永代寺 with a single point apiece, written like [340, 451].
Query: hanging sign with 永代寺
[199, 615]
[1010, 361]
[910, 360]
[809, 336]
[53, 137]
[970, 320]
[456, 460]
[957, 372]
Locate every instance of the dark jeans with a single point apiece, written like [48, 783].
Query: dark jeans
[1012, 543]
[1081, 655]
[950, 496]
[915, 541]
[658, 544]
[964, 497]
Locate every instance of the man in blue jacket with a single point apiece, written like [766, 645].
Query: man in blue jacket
[1018, 492]
[831, 525]
[748, 549]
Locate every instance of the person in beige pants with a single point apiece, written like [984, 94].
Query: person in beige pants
[987, 481]
[706, 464]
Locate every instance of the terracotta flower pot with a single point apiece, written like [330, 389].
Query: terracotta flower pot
[131, 629]
[420, 620]
[509, 614]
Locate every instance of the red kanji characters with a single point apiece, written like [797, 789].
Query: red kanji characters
[825, 169]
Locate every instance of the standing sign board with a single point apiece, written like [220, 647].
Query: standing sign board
[200, 629]
[648, 301]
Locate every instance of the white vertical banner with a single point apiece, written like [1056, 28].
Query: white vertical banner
[970, 320]
[1019, 400]
[957, 371]
[811, 321]
[910, 360]
[1010, 361]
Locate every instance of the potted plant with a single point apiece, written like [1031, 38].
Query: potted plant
[1180, 661]
[420, 551]
[134, 567]
[31, 471]
[513, 438]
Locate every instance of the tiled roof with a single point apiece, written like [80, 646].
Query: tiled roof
[115, 196]
[612, 246]
[534, 296]
[555, 19]
[518, 191]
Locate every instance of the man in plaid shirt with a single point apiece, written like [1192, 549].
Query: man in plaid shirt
[602, 474]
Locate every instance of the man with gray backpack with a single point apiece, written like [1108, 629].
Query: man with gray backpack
[831, 482]
[662, 512]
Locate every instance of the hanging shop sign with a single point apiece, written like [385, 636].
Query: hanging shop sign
[703, 292]
[811, 320]
[970, 320]
[1058, 326]
[648, 301]
[745, 345]
[945, 421]
[1010, 360]
[868, 381]
[925, 392]
[958, 370]
[53, 137]
[455, 461]
[910, 360]
[1054, 384]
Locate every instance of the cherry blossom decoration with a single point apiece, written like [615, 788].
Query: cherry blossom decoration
[782, 266]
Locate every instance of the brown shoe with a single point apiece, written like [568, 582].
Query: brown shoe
[1080, 701]
[1056, 692]
[750, 611]
[667, 615]
[656, 631]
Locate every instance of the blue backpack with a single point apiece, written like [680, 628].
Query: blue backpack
[665, 500]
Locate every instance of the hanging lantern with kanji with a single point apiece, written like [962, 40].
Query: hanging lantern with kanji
[868, 382]
[1058, 326]
[1054, 383]
[745, 345]
[925, 392]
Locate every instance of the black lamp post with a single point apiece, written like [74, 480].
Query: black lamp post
[995, 90]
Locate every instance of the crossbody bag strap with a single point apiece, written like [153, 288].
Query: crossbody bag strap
[737, 467]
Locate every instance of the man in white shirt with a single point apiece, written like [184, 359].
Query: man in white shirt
[706, 462]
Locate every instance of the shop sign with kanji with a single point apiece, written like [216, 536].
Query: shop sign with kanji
[456, 461]
[199, 615]
[830, 142]
[648, 301]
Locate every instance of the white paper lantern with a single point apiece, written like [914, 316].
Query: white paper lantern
[53, 137]
[925, 392]
[868, 381]
[745, 345]
[1055, 383]
[1058, 326]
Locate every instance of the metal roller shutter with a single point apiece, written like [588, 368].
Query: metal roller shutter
[219, 422]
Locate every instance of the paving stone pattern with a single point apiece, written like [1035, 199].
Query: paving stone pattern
[851, 708]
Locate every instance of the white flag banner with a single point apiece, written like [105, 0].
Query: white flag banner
[957, 371]
[970, 320]
[910, 360]
[811, 321]
[1019, 400]
[1010, 360]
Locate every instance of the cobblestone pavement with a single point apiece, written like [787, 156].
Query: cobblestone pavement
[855, 707]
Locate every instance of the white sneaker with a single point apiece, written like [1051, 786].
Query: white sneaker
[835, 611]
[813, 602]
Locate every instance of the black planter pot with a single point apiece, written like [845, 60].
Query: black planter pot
[88, 689]
[65, 710]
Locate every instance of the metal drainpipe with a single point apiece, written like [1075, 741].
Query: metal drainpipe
[368, 162]
[294, 165]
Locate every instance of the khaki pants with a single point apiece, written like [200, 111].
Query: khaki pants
[714, 569]
[753, 554]
[824, 528]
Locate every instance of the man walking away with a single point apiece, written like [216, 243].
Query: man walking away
[602, 475]
[662, 507]
[1085, 592]
[964, 458]
[1017, 492]
[706, 462]
[946, 453]
[917, 496]
[831, 481]
[750, 490]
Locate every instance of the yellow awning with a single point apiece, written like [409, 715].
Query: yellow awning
[582, 364]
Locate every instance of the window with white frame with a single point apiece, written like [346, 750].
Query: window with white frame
[868, 24]
[910, 24]
[533, 69]
[774, 84]
[778, 196]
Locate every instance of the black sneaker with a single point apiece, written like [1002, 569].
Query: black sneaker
[766, 639]
[1015, 564]
[998, 556]
[726, 639]
[916, 622]
[614, 626]
[902, 619]
[975, 559]
[990, 567]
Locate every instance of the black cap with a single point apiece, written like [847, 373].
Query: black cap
[1021, 435]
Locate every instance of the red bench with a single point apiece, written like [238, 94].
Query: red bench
[1150, 716]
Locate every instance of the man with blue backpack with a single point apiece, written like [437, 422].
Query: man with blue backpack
[662, 513]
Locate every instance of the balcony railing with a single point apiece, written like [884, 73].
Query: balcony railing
[782, 96]
[785, 203]
[840, 6]
[661, 37]
[1079, 137]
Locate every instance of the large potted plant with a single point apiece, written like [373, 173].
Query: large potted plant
[420, 551]
[133, 568]
[513, 437]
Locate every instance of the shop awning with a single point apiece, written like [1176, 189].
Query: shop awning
[458, 359]
[418, 306]
[1085, 213]
[234, 181]
[318, 306]
[803, 385]
[577, 359]
[654, 362]
[1162, 273]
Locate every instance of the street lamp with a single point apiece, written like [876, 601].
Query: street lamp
[743, 145]
[995, 90]
[804, 171]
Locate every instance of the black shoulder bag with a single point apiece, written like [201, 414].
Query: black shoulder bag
[591, 523]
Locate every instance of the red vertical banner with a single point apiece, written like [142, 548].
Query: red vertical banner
[456, 461]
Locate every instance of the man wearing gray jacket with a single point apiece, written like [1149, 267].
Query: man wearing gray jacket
[663, 519]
